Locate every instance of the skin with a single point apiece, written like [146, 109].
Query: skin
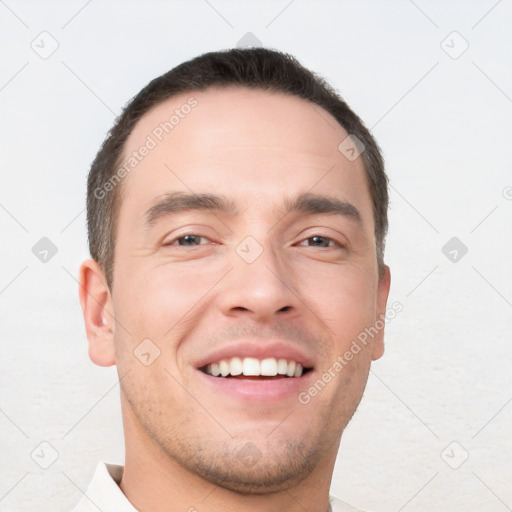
[182, 438]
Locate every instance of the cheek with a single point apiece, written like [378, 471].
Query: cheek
[156, 301]
[343, 297]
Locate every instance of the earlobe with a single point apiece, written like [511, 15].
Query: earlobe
[382, 299]
[96, 302]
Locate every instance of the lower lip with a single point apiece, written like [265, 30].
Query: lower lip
[264, 390]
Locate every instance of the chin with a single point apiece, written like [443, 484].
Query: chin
[271, 473]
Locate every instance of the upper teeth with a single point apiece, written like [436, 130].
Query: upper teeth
[251, 366]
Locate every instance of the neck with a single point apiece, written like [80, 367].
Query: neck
[154, 481]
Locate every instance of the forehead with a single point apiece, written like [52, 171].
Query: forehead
[249, 143]
[253, 111]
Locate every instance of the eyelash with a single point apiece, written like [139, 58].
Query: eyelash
[335, 242]
[173, 241]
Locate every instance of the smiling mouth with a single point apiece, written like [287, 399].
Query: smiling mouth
[253, 368]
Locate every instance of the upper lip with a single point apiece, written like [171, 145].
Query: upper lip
[258, 350]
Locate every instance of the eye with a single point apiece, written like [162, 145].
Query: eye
[189, 240]
[320, 241]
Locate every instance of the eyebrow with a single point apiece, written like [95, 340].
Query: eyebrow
[307, 204]
[310, 204]
[176, 202]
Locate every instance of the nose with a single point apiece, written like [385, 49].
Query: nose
[260, 289]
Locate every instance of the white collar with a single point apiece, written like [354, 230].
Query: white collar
[104, 493]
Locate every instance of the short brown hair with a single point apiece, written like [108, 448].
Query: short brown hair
[257, 68]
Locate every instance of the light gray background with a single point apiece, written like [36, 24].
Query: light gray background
[444, 127]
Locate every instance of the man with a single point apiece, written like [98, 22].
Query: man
[237, 214]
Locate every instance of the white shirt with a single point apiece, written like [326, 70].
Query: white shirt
[105, 494]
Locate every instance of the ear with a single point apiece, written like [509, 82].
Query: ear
[382, 299]
[98, 312]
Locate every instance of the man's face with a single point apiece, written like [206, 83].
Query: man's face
[209, 284]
